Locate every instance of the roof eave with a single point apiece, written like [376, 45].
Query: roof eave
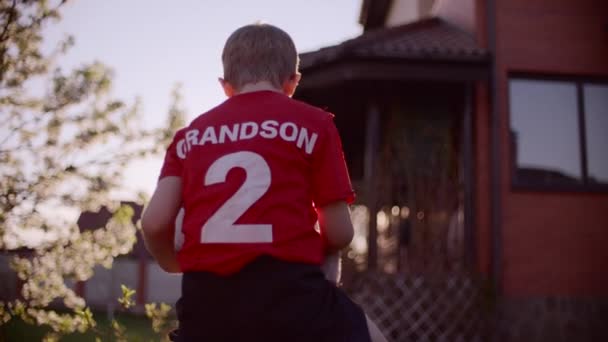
[391, 69]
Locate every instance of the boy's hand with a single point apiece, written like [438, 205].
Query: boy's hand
[178, 240]
[331, 267]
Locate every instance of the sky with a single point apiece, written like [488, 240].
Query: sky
[152, 45]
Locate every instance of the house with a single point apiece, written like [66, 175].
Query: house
[476, 133]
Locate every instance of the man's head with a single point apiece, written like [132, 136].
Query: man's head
[260, 53]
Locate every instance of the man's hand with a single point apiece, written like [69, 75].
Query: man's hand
[332, 267]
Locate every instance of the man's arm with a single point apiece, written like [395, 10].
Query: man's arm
[337, 229]
[158, 222]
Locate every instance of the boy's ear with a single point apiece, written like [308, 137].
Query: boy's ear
[228, 88]
[290, 85]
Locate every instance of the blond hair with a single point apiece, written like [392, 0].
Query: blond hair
[259, 52]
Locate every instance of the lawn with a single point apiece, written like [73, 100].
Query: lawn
[139, 328]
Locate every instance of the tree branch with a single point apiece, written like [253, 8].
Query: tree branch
[4, 38]
[11, 15]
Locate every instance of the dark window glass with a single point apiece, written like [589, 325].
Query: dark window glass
[596, 122]
[545, 131]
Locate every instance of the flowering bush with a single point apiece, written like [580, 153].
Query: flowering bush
[62, 151]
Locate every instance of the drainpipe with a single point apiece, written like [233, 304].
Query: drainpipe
[468, 162]
[369, 173]
[142, 277]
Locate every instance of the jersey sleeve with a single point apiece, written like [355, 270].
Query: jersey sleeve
[331, 182]
[172, 166]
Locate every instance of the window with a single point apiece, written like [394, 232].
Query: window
[596, 127]
[559, 133]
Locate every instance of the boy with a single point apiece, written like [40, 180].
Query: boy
[254, 175]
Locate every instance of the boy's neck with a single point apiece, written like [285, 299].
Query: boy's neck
[259, 86]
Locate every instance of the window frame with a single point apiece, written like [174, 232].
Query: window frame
[579, 82]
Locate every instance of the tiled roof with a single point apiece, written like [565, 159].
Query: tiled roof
[427, 39]
[89, 220]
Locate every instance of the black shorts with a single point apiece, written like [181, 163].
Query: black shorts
[268, 300]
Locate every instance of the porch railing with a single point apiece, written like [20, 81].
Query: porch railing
[421, 308]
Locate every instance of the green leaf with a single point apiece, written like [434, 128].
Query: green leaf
[126, 300]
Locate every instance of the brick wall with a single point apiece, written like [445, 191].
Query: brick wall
[553, 243]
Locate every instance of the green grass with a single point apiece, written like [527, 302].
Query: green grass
[138, 328]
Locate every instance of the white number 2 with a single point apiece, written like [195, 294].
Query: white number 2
[221, 227]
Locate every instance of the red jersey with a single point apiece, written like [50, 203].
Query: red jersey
[253, 169]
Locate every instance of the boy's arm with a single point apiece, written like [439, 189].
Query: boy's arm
[332, 191]
[158, 222]
[336, 227]
[337, 230]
